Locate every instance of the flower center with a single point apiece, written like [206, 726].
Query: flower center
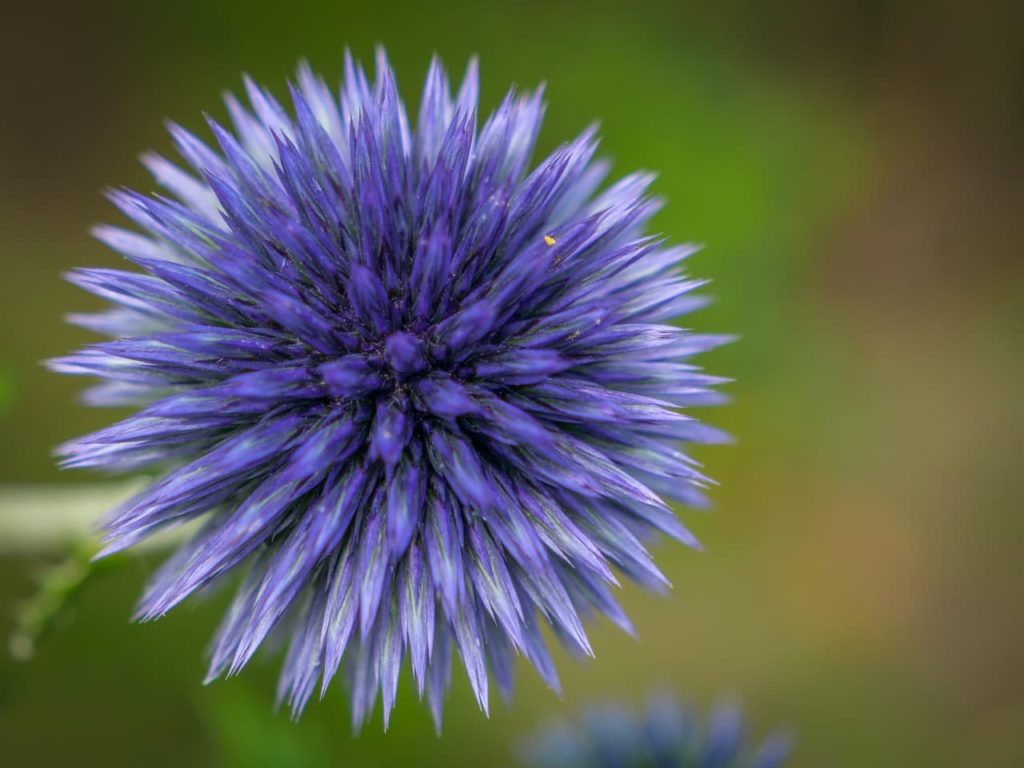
[405, 353]
[403, 356]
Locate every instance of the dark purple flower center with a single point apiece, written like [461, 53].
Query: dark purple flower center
[405, 353]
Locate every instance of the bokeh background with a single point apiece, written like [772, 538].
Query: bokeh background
[855, 172]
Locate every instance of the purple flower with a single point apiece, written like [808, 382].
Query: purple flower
[664, 736]
[424, 395]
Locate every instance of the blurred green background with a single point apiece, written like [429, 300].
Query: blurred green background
[855, 172]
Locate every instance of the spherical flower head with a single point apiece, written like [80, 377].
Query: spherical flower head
[665, 735]
[424, 395]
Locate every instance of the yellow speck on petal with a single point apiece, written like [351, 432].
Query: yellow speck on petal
[549, 240]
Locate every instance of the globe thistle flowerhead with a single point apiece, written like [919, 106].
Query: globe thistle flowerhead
[425, 396]
[665, 735]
